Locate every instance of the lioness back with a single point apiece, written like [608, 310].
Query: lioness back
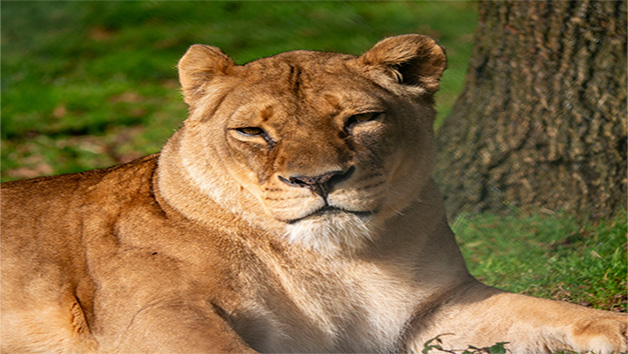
[57, 232]
[44, 260]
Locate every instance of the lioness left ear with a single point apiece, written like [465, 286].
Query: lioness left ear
[412, 59]
[200, 64]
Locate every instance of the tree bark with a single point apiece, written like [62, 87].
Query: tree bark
[541, 122]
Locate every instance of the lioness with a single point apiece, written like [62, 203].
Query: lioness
[293, 212]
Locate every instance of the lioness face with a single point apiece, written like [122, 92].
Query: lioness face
[327, 146]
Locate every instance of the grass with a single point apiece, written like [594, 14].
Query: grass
[92, 84]
[549, 255]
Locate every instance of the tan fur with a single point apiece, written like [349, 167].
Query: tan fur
[323, 232]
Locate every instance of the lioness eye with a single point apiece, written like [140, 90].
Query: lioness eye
[362, 118]
[250, 131]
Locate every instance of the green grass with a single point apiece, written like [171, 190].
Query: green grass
[91, 84]
[549, 255]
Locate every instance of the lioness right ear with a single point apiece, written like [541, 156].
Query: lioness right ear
[411, 59]
[200, 64]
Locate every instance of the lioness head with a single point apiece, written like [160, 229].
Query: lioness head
[317, 147]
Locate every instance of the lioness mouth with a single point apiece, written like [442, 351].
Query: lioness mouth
[330, 210]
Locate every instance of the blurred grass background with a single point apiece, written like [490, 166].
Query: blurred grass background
[92, 84]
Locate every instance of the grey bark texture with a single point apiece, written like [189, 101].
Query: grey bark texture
[541, 122]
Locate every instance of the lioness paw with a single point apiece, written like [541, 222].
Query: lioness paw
[603, 335]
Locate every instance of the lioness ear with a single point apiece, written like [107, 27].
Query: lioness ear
[200, 64]
[412, 59]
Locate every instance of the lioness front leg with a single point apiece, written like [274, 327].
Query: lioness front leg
[178, 328]
[483, 316]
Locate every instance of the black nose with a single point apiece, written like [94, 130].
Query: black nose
[320, 184]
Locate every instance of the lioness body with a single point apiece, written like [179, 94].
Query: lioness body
[294, 211]
[340, 305]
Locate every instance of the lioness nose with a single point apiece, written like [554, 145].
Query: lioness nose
[320, 184]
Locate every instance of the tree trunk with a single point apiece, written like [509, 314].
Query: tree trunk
[541, 122]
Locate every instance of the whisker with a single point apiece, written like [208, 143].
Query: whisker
[287, 198]
[372, 185]
[369, 177]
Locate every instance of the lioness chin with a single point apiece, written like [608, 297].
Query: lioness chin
[293, 212]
